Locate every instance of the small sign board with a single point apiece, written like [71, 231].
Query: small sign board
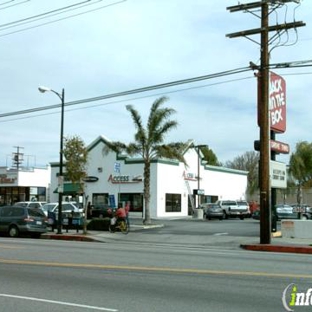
[279, 147]
[90, 179]
[278, 174]
[60, 187]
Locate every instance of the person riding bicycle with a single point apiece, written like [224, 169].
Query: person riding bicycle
[120, 214]
[119, 220]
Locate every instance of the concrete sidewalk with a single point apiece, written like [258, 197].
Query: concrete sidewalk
[94, 236]
[278, 243]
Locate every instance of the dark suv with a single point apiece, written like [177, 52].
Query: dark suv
[15, 220]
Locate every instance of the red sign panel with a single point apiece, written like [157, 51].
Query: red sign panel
[279, 147]
[277, 103]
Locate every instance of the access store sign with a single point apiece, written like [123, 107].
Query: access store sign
[277, 103]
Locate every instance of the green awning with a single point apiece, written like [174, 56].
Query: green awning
[70, 189]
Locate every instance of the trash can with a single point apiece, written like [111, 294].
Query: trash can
[198, 213]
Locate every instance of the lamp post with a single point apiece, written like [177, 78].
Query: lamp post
[198, 147]
[60, 186]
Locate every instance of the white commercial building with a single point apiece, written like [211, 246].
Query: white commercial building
[115, 178]
[24, 184]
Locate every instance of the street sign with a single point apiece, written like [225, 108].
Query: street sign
[199, 192]
[117, 167]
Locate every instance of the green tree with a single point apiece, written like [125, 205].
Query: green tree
[149, 143]
[76, 156]
[248, 162]
[210, 156]
[300, 167]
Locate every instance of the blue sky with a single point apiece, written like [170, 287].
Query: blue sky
[137, 43]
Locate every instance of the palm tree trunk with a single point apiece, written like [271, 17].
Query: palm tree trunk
[147, 194]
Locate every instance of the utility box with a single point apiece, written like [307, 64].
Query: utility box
[198, 213]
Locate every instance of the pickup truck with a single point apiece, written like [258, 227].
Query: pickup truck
[231, 209]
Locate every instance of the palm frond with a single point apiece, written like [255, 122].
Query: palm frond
[169, 151]
[117, 147]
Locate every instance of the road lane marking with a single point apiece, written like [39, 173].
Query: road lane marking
[153, 269]
[59, 302]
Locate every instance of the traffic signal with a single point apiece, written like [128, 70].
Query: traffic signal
[257, 145]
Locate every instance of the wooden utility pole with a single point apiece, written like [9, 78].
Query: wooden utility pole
[263, 103]
[264, 165]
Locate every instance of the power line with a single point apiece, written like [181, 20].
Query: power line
[11, 5]
[286, 65]
[129, 92]
[134, 98]
[60, 19]
[42, 15]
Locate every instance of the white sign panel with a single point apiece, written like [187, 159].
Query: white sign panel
[60, 188]
[117, 167]
[278, 174]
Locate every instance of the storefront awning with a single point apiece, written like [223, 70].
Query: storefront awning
[70, 189]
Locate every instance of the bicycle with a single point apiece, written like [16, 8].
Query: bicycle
[120, 225]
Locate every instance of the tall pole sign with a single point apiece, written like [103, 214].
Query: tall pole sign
[271, 103]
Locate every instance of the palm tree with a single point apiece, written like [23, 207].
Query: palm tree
[149, 143]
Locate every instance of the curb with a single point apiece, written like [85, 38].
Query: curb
[145, 227]
[279, 248]
[80, 238]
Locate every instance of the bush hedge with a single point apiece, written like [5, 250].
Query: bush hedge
[99, 224]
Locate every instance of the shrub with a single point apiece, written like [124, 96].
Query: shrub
[99, 224]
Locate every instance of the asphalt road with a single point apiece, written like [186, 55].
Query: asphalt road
[232, 227]
[47, 275]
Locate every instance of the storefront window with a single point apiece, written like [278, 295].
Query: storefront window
[134, 200]
[173, 202]
[100, 199]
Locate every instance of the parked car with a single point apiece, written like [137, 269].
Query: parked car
[256, 214]
[67, 207]
[15, 220]
[284, 211]
[101, 211]
[212, 211]
[302, 208]
[30, 204]
[244, 204]
[231, 209]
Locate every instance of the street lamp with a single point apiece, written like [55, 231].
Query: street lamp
[60, 187]
[198, 147]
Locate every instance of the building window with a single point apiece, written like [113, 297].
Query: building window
[173, 202]
[100, 199]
